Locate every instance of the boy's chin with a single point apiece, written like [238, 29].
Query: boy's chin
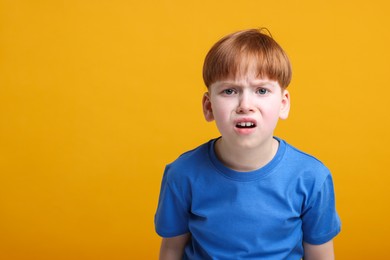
[255, 139]
[245, 141]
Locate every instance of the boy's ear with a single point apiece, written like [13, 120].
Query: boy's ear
[207, 110]
[285, 106]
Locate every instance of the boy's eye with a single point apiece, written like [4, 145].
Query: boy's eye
[262, 91]
[229, 91]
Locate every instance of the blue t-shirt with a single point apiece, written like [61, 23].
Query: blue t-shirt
[262, 214]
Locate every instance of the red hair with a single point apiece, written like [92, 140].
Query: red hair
[238, 53]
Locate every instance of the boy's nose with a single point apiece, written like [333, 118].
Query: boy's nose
[245, 104]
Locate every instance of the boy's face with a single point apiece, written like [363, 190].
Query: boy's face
[247, 109]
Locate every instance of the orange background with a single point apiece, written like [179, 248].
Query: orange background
[97, 96]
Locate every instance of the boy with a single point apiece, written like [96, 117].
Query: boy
[246, 194]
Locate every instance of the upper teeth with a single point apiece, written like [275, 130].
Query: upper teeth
[246, 124]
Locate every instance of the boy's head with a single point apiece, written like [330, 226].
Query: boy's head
[246, 74]
[248, 51]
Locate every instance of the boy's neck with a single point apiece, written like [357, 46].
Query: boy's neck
[246, 159]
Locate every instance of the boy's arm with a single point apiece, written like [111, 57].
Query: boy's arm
[318, 252]
[172, 248]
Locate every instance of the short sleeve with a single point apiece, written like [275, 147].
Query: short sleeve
[171, 218]
[320, 221]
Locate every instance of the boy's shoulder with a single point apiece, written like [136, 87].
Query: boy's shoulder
[300, 153]
[189, 162]
[193, 155]
[304, 162]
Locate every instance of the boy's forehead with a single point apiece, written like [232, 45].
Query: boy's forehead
[246, 71]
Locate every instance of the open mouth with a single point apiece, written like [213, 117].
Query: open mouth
[245, 125]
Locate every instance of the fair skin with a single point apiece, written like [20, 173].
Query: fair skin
[319, 252]
[246, 111]
[173, 248]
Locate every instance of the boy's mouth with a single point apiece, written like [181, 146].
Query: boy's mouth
[245, 125]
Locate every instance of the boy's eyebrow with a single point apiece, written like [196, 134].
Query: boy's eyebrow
[236, 84]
